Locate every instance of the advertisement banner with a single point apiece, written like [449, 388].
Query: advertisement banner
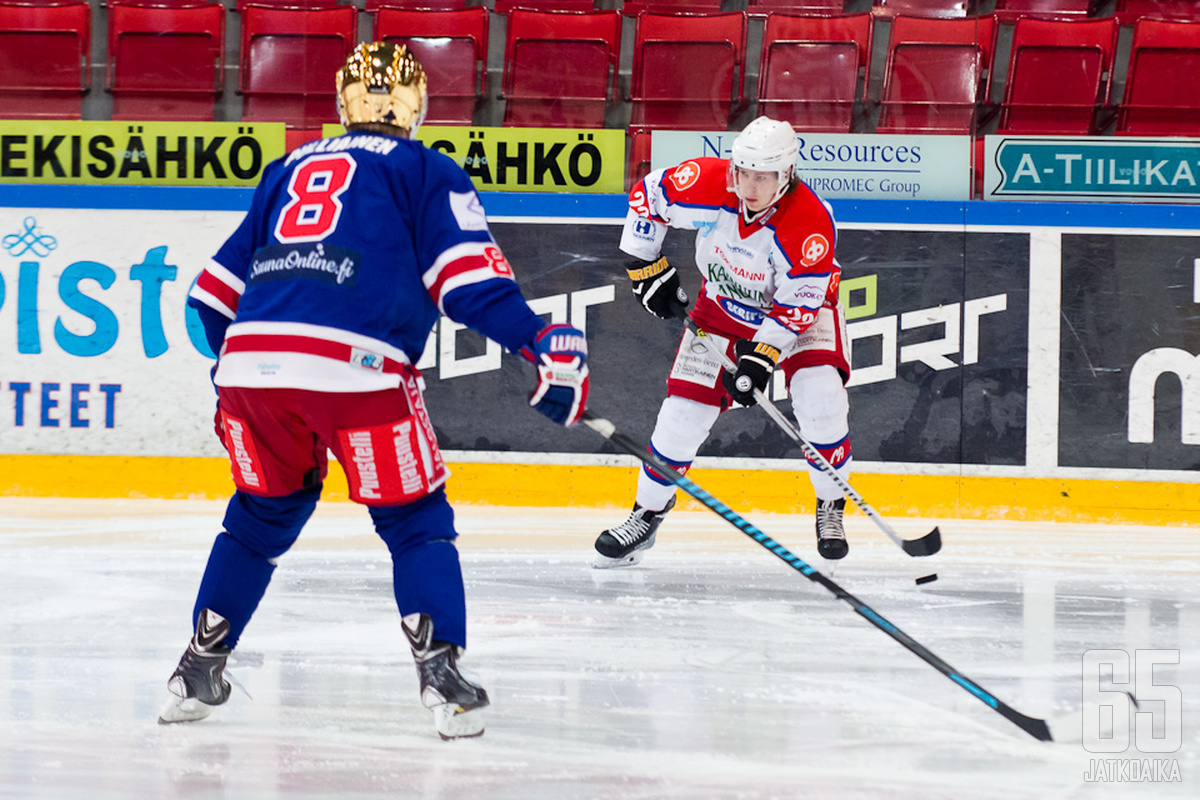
[938, 323]
[530, 159]
[876, 167]
[1130, 373]
[1091, 168]
[102, 356]
[939, 349]
[138, 153]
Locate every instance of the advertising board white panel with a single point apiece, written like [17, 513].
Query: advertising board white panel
[877, 167]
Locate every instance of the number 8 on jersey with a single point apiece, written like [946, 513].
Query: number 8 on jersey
[314, 209]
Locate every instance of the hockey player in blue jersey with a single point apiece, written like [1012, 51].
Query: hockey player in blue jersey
[319, 305]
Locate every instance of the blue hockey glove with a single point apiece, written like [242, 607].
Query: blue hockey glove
[656, 284]
[756, 362]
[560, 353]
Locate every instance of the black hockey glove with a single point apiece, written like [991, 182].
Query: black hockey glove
[656, 284]
[755, 363]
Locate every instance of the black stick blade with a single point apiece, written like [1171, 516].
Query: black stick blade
[927, 545]
[1037, 728]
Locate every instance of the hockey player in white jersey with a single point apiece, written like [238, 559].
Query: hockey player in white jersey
[769, 294]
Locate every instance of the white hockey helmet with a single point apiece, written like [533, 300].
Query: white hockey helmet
[765, 145]
[382, 83]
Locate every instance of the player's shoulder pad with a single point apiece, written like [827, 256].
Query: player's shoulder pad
[274, 168]
[446, 181]
[442, 169]
[698, 179]
[805, 229]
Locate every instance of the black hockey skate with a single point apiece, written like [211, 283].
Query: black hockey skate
[831, 536]
[457, 704]
[624, 545]
[198, 684]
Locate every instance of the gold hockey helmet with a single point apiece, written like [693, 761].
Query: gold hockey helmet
[382, 83]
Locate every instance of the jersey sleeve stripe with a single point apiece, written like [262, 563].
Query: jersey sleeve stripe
[447, 259]
[216, 294]
[643, 186]
[222, 274]
[465, 278]
[212, 302]
[465, 271]
[779, 248]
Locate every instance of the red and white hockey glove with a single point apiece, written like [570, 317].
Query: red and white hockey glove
[560, 353]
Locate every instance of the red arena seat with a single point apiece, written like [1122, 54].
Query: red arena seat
[240, 7]
[762, 8]
[1009, 10]
[924, 8]
[1156, 101]
[507, 6]
[687, 70]
[1058, 72]
[45, 59]
[560, 70]
[452, 46]
[289, 58]
[809, 69]
[632, 8]
[165, 61]
[937, 71]
[1129, 12]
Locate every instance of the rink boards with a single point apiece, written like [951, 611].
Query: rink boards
[1023, 361]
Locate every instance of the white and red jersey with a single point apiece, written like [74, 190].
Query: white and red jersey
[774, 273]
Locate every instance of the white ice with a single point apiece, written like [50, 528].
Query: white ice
[712, 670]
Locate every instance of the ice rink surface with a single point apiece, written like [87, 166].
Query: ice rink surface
[710, 671]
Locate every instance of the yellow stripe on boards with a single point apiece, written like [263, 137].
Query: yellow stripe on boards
[893, 496]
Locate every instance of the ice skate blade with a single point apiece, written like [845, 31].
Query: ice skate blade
[179, 709]
[452, 723]
[627, 560]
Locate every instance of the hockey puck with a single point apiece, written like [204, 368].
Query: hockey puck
[930, 578]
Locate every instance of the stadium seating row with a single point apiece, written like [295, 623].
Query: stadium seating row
[1126, 11]
[560, 69]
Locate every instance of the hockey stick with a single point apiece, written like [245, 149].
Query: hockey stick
[926, 545]
[1036, 728]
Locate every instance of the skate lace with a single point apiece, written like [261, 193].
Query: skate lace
[631, 529]
[830, 521]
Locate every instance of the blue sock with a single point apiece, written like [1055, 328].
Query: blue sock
[427, 577]
[258, 531]
[234, 582]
